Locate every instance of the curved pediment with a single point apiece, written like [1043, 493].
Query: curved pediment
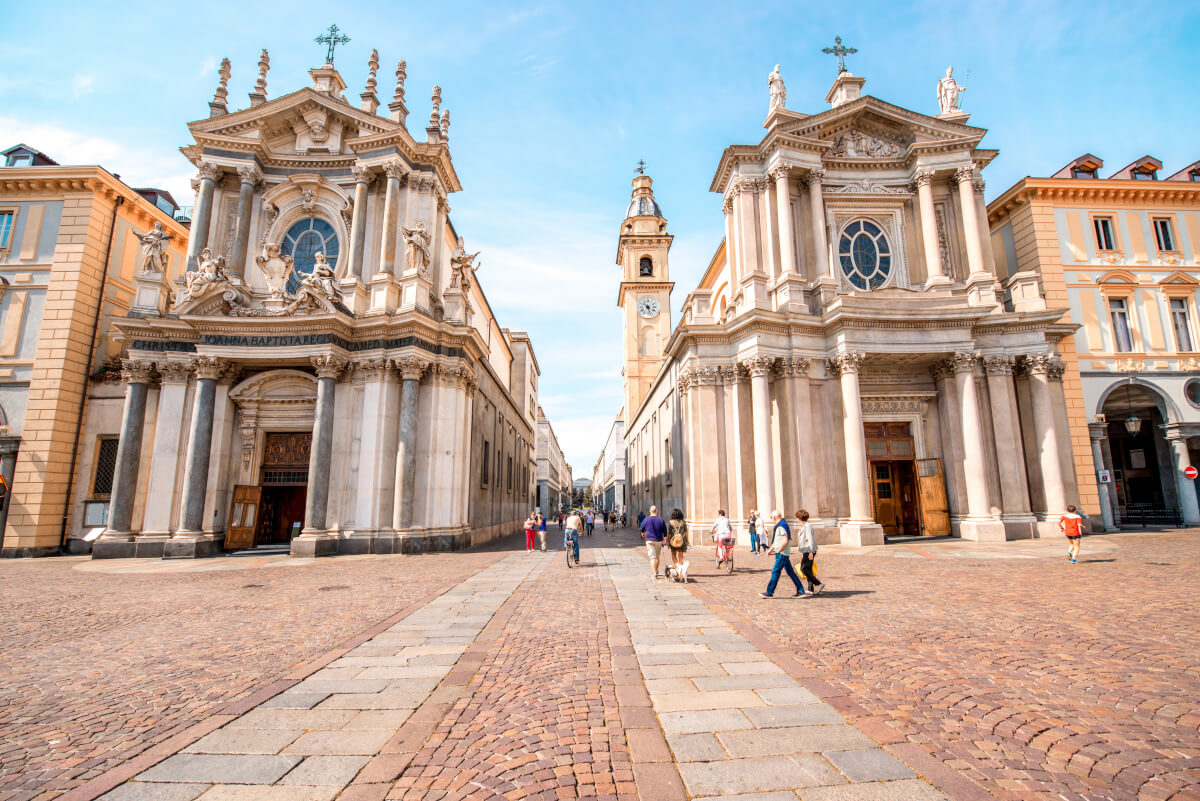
[1117, 277]
[278, 386]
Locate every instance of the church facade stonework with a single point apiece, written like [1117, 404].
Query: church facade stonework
[850, 349]
[327, 375]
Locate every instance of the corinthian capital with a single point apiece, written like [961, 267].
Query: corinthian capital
[922, 178]
[209, 367]
[942, 370]
[847, 362]
[999, 365]
[964, 361]
[758, 366]
[174, 372]
[814, 176]
[134, 371]
[250, 174]
[965, 173]
[328, 365]
[1038, 363]
[727, 206]
[781, 171]
[362, 175]
[209, 171]
[411, 367]
[394, 169]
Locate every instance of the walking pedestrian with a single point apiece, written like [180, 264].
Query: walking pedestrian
[530, 527]
[781, 546]
[806, 542]
[1071, 525]
[542, 530]
[641, 519]
[655, 531]
[591, 522]
[677, 541]
[752, 527]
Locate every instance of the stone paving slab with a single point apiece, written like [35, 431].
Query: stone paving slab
[155, 791]
[228, 768]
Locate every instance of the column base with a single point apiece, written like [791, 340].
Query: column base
[118, 547]
[1019, 528]
[196, 545]
[1047, 527]
[359, 543]
[982, 530]
[861, 534]
[384, 294]
[981, 289]
[938, 282]
[435, 540]
[790, 294]
[311, 544]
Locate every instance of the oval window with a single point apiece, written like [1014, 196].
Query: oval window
[1192, 391]
[865, 255]
[303, 241]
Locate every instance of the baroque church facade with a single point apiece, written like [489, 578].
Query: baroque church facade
[327, 373]
[850, 348]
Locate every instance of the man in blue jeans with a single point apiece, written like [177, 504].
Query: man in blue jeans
[781, 546]
[654, 530]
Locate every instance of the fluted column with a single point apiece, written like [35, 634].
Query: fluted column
[972, 434]
[1045, 433]
[759, 368]
[933, 256]
[358, 222]
[858, 482]
[137, 376]
[965, 176]
[1010, 454]
[406, 449]
[207, 370]
[816, 203]
[316, 503]
[202, 213]
[250, 178]
[391, 217]
[783, 208]
[1098, 434]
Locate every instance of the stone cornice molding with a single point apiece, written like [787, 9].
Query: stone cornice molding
[207, 367]
[328, 365]
[1160, 194]
[174, 372]
[137, 371]
[844, 363]
[999, 365]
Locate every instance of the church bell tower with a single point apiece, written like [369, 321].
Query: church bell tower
[645, 293]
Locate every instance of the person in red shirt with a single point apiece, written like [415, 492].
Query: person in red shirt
[1071, 526]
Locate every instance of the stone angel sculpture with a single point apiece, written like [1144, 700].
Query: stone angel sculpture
[276, 268]
[462, 266]
[154, 249]
[417, 238]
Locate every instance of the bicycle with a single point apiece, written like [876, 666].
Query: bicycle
[571, 546]
[724, 551]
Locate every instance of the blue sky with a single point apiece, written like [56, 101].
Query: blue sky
[551, 105]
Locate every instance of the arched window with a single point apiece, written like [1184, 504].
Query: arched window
[646, 267]
[865, 255]
[303, 241]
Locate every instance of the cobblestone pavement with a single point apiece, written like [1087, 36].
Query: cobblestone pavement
[102, 660]
[1034, 678]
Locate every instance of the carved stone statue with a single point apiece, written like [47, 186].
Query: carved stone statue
[323, 280]
[778, 90]
[462, 267]
[948, 91]
[276, 268]
[417, 239]
[154, 249]
[210, 271]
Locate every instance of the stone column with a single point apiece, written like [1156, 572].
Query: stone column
[410, 369]
[965, 175]
[164, 459]
[1010, 454]
[759, 368]
[929, 239]
[328, 368]
[816, 202]
[1046, 435]
[137, 376]
[978, 506]
[202, 214]
[1184, 486]
[207, 370]
[250, 177]
[1099, 433]
[391, 217]
[861, 528]
[358, 222]
[783, 208]
[730, 237]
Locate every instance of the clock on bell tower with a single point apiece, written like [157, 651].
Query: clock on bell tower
[645, 293]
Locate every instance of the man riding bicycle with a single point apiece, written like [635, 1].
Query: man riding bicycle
[722, 534]
[571, 535]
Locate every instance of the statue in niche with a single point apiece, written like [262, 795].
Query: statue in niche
[417, 239]
[462, 267]
[276, 268]
[948, 91]
[322, 280]
[154, 249]
[778, 90]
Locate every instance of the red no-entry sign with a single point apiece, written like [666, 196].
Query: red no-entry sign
[1190, 472]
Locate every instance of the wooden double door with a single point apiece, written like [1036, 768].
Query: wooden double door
[273, 510]
[908, 495]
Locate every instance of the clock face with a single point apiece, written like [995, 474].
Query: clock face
[648, 307]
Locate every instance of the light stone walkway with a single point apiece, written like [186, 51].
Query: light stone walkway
[739, 727]
[308, 743]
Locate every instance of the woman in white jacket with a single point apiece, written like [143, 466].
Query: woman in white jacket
[806, 543]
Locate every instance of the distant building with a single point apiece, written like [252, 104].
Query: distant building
[1123, 252]
[553, 473]
[610, 469]
[70, 255]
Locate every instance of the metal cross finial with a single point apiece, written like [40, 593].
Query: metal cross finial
[333, 40]
[841, 52]
[641, 167]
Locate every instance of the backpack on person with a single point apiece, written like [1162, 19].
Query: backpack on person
[678, 528]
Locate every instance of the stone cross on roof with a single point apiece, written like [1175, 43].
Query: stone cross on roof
[333, 40]
[841, 52]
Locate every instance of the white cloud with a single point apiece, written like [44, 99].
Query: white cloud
[83, 84]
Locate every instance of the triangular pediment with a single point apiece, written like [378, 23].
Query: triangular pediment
[887, 123]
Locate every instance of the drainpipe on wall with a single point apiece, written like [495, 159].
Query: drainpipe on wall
[112, 227]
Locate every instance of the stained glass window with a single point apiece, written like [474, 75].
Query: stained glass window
[865, 255]
[303, 241]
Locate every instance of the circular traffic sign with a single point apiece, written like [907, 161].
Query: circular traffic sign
[1190, 472]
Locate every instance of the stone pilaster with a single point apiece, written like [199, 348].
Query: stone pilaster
[164, 456]
[979, 523]
[861, 528]
[1010, 451]
[411, 369]
[1038, 367]
[759, 368]
[1098, 433]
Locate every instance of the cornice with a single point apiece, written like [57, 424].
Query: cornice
[51, 181]
[1099, 191]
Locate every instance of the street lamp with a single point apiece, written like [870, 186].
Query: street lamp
[1133, 423]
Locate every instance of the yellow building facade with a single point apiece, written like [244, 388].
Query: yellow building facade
[1123, 252]
[70, 250]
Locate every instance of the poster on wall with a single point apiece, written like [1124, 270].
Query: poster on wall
[1137, 459]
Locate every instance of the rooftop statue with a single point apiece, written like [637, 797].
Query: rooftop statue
[778, 90]
[948, 91]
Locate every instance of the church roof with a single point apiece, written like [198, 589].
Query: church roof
[644, 206]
